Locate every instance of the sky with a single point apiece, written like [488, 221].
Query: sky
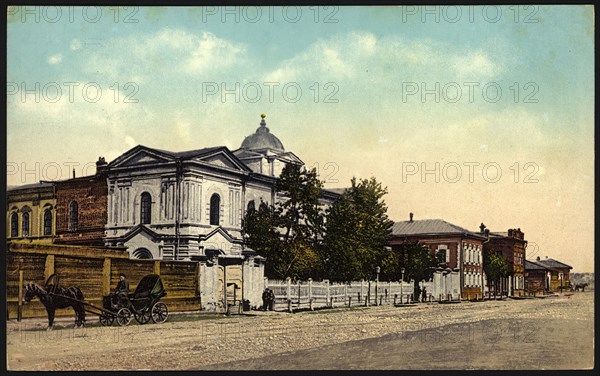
[468, 114]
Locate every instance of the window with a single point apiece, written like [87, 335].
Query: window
[215, 205]
[73, 216]
[47, 222]
[251, 208]
[14, 225]
[142, 253]
[146, 208]
[25, 224]
[440, 255]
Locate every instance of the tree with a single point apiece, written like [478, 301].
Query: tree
[288, 233]
[357, 232]
[495, 268]
[415, 258]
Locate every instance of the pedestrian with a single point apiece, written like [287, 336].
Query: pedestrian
[424, 295]
[265, 299]
[271, 300]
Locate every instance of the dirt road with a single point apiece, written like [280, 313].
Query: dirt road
[546, 333]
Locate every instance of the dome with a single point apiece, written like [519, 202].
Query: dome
[262, 139]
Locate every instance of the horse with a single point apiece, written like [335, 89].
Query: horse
[581, 286]
[52, 302]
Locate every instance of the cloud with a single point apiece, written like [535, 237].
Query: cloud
[55, 59]
[75, 44]
[351, 55]
[168, 52]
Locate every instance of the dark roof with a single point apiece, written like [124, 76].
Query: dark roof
[188, 153]
[429, 227]
[339, 191]
[532, 265]
[12, 188]
[262, 139]
[553, 264]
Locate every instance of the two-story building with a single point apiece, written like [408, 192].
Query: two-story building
[511, 245]
[457, 250]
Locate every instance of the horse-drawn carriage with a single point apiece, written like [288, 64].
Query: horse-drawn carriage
[143, 304]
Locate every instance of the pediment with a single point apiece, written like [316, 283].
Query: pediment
[141, 156]
[220, 160]
[223, 159]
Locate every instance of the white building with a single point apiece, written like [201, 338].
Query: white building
[190, 205]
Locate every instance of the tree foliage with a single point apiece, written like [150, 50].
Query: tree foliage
[288, 232]
[415, 258]
[357, 232]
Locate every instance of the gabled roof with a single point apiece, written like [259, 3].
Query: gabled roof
[553, 264]
[139, 229]
[141, 154]
[429, 227]
[40, 185]
[532, 265]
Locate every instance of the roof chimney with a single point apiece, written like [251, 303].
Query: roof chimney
[73, 173]
[482, 227]
[538, 258]
[487, 232]
[101, 166]
[411, 217]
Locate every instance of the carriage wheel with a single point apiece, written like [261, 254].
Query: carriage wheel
[159, 313]
[123, 317]
[143, 317]
[106, 319]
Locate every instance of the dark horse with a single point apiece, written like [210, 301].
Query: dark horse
[581, 286]
[52, 302]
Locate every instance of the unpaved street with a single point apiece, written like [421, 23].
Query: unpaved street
[513, 334]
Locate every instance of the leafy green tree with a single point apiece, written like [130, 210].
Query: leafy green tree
[415, 258]
[495, 268]
[357, 232]
[289, 232]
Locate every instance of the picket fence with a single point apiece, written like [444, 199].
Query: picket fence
[311, 294]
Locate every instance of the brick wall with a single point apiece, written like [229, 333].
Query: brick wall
[91, 195]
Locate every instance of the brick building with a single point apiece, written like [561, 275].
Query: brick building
[458, 251]
[511, 246]
[81, 208]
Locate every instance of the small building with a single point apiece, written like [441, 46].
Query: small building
[458, 251]
[31, 212]
[557, 277]
[535, 278]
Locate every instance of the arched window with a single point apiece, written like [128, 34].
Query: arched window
[142, 253]
[215, 205]
[14, 225]
[73, 216]
[251, 208]
[47, 222]
[25, 224]
[146, 208]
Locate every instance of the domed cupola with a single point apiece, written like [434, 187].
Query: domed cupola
[262, 139]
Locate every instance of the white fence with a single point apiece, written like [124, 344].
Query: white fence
[312, 294]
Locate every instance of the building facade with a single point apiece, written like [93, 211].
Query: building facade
[511, 245]
[535, 278]
[31, 212]
[81, 204]
[458, 252]
[558, 274]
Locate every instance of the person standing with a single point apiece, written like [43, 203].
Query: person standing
[271, 300]
[265, 299]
